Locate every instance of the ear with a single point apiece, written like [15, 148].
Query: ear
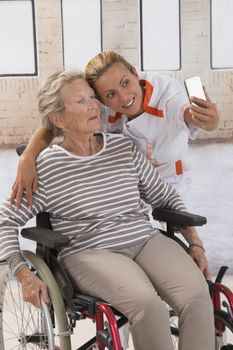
[57, 120]
[134, 71]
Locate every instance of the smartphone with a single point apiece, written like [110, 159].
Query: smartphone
[194, 87]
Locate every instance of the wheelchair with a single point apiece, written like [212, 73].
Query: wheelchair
[52, 327]
[22, 326]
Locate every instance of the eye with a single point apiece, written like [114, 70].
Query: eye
[79, 100]
[125, 83]
[93, 96]
[110, 94]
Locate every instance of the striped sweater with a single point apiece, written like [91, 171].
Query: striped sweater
[97, 201]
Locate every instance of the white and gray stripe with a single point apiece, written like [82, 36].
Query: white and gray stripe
[97, 201]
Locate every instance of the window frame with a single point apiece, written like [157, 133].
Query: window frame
[35, 73]
[141, 41]
[211, 44]
[62, 30]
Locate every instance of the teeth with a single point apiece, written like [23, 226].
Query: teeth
[129, 104]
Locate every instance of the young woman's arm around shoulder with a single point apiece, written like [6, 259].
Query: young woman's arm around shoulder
[26, 178]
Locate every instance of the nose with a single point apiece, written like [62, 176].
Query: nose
[123, 96]
[93, 103]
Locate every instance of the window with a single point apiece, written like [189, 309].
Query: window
[17, 38]
[160, 35]
[221, 34]
[82, 31]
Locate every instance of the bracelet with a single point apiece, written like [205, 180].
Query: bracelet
[197, 245]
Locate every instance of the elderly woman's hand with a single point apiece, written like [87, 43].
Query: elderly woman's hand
[26, 180]
[33, 289]
[204, 114]
[198, 255]
[196, 250]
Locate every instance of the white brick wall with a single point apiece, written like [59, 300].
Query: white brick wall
[18, 104]
[121, 28]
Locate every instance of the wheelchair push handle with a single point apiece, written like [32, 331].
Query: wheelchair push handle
[20, 148]
[221, 273]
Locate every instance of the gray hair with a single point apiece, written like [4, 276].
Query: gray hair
[50, 99]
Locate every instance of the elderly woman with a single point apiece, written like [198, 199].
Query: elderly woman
[95, 187]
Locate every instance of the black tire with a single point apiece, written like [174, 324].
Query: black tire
[224, 339]
[174, 329]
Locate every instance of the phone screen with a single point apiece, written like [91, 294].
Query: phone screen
[194, 87]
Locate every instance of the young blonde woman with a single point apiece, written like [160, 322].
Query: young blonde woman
[114, 252]
[153, 110]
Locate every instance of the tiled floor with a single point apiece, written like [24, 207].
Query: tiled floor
[211, 195]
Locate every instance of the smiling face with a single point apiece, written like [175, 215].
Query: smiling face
[120, 90]
[81, 109]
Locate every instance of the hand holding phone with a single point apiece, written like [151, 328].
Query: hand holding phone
[203, 114]
[194, 88]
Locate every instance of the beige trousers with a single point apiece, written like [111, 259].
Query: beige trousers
[134, 280]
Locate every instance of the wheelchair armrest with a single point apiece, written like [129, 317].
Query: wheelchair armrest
[178, 218]
[20, 148]
[46, 237]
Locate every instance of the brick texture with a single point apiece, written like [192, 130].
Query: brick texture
[121, 32]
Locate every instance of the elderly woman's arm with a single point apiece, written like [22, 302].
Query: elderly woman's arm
[10, 219]
[33, 289]
[158, 193]
[26, 178]
[196, 250]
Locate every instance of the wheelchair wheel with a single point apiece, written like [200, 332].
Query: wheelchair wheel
[224, 331]
[174, 329]
[22, 326]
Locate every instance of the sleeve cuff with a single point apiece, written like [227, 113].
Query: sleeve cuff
[193, 130]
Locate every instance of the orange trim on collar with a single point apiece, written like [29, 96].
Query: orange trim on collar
[151, 110]
[113, 118]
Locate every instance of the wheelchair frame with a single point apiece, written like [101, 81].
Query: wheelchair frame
[67, 307]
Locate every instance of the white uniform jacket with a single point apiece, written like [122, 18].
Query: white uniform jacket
[160, 132]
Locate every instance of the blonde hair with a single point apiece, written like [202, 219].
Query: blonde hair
[50, 99]
[100, 63]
